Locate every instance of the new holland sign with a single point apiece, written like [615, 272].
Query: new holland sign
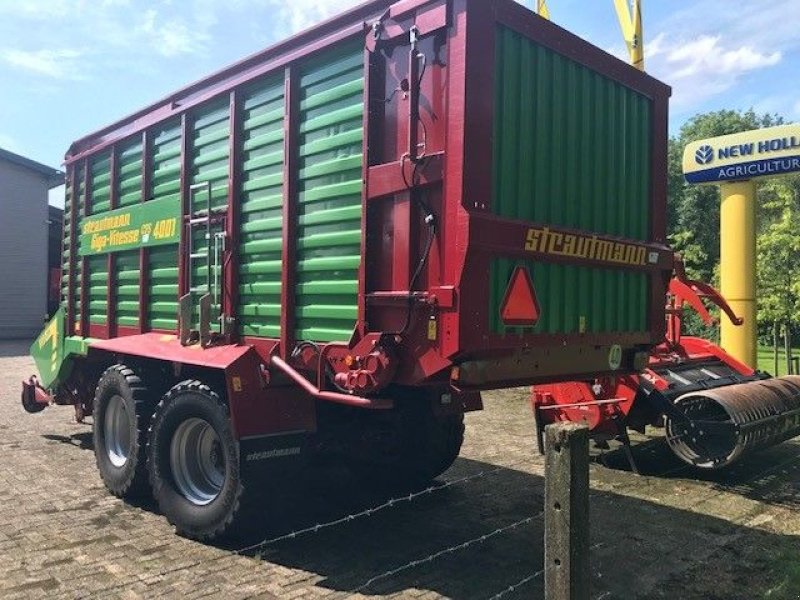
[742, 156]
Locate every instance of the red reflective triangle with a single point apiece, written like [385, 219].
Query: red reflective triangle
[520, 306]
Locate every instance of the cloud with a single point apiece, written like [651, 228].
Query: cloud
[301, 14]
[703, 49]
[704, 66]
[57, 64]
[172, 36]
[38, 10]
[707, 57]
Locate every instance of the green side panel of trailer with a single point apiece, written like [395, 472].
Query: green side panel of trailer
[571, 147]
[162, 261]
[329, 195]
[129, 174]
[572, 150]
[261, 243]
[66, 247]
[97, 271]
[209, 171]
[162, 288]
[126, 288]
[100, 178]
[77, 301]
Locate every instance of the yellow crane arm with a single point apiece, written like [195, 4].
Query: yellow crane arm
[630, 20]
[541, 8]
[629, 13]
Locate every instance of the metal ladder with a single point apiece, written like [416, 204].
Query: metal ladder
[208, 290]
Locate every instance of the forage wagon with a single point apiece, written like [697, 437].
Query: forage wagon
[334, 245]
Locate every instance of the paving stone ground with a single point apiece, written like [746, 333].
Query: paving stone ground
[666, 534]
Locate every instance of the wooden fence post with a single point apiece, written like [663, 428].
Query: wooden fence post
[566, 512]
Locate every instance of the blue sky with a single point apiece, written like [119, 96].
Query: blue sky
[68, 67]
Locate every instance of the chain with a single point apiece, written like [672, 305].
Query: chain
[452, 549]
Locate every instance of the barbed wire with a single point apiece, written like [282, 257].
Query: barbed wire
[452, 549]
[714, 495]
[526, 580]
[513, 588]
[391, 503]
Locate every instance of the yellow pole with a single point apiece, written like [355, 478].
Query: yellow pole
[738, 268]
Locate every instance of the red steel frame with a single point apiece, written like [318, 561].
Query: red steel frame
[144, 257]
[290, 170]
[457, 177]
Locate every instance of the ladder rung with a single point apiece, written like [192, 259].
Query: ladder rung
[197, 290]
[199, 255]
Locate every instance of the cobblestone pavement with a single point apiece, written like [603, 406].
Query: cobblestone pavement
[664, 534]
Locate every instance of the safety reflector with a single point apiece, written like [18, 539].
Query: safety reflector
[520, 308]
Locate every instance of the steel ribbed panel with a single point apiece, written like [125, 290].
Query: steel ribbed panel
[126, 288]
[100, 173]
[261, 196]
[129, 174]
[97, 271]
[329, 187]
[571, 149]
[162, 262]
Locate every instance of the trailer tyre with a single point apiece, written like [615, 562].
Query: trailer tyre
[194, 462]
[122, 409]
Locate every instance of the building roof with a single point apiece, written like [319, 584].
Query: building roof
[53, 176]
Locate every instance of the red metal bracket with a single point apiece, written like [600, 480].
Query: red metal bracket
[683, 290]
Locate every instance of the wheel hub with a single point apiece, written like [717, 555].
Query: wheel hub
[117, 430]
[197, 461]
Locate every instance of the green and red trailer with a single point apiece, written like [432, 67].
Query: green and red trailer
[335, 245]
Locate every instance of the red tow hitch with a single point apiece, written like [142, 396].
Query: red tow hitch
[34, 397]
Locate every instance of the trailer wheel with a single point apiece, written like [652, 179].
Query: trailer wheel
[194, 462]
[417, 447]
[122, 409]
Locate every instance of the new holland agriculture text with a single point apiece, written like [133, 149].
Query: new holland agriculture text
[747, 155]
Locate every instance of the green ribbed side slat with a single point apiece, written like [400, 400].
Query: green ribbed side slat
[329, 185]
[76, 290]
[129, 174]
[97, 267]
[162, 262]
[66, 251]
[261, 209]
[210, 152]
[165, 181]
[162, 288]
[126, 281]
[571, 149]
[100, 173]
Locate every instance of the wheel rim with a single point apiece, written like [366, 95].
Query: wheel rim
[197, 461]
[117, 432]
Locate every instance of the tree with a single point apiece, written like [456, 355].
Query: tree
[693, 211]
[778, 250]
